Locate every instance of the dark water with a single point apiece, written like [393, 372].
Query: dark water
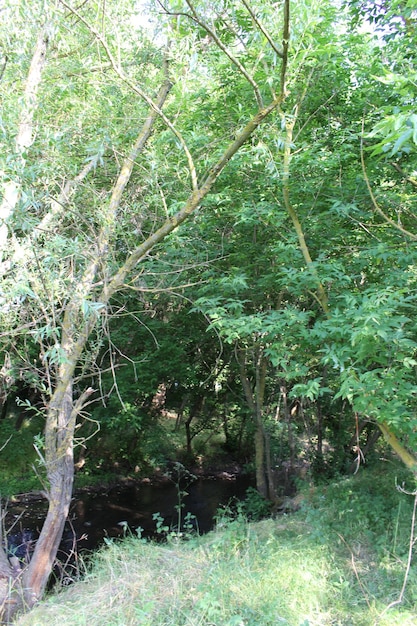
[96, 516]
[106, 515]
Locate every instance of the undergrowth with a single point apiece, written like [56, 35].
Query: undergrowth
[339, 561]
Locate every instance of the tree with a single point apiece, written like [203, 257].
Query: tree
[352, 337]
[65, 248]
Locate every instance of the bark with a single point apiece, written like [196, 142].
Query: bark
[255, 400]
[59, 460]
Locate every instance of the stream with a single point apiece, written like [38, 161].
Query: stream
[99, 515]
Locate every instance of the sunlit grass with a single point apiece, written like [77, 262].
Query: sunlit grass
[264, 574]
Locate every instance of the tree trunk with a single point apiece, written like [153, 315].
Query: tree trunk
[180, 413]
[188, 434]
[255, 399]
[21, 589]
[272, 494]
[10, 588]
[195, 410]
[60, 472]
[287, 418]
[261, 483]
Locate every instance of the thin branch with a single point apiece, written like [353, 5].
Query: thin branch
[5, 444]
[81, 402]
[120, 73]
[138, 147]
[321, 295]
[373, 199]
[113, 365]
[58, 204]
[163, 289]
[263, 29]
[323, 104]
[227, 52]
[409, 179]
[195, 18]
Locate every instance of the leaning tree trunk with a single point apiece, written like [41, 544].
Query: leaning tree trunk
[21, 588]
[59, 461]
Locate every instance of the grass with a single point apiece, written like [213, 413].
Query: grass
[295, 570]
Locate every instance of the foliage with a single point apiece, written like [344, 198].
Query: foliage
[254, 507]
[18, 457]
[278, 319]
[241, 253]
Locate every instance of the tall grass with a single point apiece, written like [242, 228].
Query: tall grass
[334, 563]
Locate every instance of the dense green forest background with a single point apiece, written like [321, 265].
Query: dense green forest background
[207, 240]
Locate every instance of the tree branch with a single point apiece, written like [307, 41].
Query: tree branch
[263, 30]
[195, 18]
[75, 346]
[58, 204]
[375, 203]
[193, 202]
[120, 73]
[321, 296]
[408, 459]
[409, 179]
[227, 52]
[24, 138]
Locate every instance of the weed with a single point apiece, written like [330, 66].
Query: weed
[182, 479]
